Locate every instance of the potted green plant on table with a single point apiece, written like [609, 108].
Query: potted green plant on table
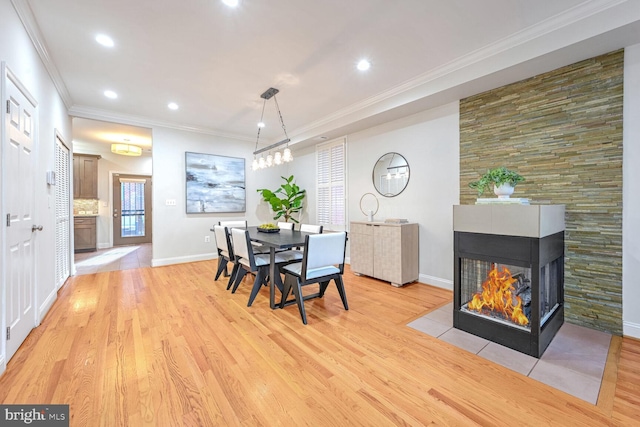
[501, 179]
[290, 201]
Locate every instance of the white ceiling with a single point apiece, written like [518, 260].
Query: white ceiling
[215, 61]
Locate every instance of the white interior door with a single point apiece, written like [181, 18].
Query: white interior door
[19, 172]
[63, 212]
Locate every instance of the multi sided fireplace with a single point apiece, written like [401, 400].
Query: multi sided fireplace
[509, 274]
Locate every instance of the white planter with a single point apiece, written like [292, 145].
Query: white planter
[503, 191]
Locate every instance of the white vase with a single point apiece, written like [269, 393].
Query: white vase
[503, 191]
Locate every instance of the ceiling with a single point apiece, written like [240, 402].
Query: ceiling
[214, 61]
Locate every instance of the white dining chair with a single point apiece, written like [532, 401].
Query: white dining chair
[225, 253]
[296, 254]
[257, 247]
[322, 262]
[285, 225]
[250, 262]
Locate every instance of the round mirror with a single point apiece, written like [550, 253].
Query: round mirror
[391, 174]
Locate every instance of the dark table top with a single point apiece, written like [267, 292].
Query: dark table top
[280, 240]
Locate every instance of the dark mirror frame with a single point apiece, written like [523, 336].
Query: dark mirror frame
[387, 173]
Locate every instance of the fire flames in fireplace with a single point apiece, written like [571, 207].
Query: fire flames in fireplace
[498, 297]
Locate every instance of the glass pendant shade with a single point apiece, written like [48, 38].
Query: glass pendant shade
[286, 155]
[277, 158]
[261, 163]
[269, 160]
[255, 166]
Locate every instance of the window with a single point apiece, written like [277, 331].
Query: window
[331, 190]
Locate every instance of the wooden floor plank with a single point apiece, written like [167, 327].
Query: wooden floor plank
[170, 346]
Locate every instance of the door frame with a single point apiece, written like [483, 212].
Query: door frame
[111, 201]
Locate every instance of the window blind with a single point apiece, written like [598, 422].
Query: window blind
[331, 184]
[62, 212]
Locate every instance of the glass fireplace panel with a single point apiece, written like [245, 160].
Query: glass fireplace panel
[549, 282]
[499, 292]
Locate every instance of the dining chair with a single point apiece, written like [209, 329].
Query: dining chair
[285, 225]
[296, 254]
[257, 247]
[322, 262]
[225, 253]
[233, 224]
[250, 262]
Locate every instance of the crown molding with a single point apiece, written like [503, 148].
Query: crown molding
[111, 116]
[549, 25]
[30, 25]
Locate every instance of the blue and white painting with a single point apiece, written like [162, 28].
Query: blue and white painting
[215, 183]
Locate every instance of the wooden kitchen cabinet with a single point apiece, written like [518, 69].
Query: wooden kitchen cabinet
[85, 176]
[387, 252]
[84, 234]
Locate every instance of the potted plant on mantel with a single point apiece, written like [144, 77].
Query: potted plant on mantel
[502, 179]
[290, 203]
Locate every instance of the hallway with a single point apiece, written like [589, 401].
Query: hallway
[113, 259]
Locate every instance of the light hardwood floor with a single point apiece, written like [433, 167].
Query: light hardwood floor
[168, 346]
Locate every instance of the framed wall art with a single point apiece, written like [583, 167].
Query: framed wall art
[214, 183]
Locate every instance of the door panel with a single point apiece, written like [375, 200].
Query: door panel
[131, 209]
[19, 166]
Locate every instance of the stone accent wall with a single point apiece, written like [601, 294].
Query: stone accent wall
[562, 131]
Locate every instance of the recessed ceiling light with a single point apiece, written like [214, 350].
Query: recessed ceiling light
[364, 65]
[104, 40]
[261, 124]
[231, 3]
[173, 106]
[110, 94]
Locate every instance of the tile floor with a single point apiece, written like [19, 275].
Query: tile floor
[574, 361]
[113, 259]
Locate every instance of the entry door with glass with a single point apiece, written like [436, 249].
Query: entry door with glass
[131, 209]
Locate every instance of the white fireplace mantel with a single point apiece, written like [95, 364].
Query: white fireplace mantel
[509, 220]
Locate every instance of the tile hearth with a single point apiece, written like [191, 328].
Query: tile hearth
[574, 361]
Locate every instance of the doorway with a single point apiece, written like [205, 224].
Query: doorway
[132, 214]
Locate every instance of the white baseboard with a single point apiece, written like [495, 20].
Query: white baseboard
[631, 329]
[46, 305]
[103, 246]
[438, 282]
[182, 259]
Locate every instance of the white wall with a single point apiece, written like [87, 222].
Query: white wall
[631, 194]
[178, 237]
[17, 51]
[430, 143]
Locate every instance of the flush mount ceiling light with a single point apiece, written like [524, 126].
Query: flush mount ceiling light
[104, 40]
[173, 106]
[230, 3]
[363, 65]
[126, 149]
[110, 94]
[277, 158]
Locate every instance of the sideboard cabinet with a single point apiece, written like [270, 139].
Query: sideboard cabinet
[387, 252]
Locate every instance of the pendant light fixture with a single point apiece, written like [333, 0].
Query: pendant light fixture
[277, 158]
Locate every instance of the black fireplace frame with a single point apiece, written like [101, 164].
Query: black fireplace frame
[528, 252]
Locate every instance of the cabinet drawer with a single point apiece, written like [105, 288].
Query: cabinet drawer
[85, 221]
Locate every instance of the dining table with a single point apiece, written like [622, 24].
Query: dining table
[280, 240]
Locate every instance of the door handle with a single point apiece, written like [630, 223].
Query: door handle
[115, 215]
[36, 228]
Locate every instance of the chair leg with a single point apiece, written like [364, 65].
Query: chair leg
[323, 288]
[239, 276]
[297, 292]
[222, 266]
[257, 284]
[286, 288]
[343, 294]
[234, 272]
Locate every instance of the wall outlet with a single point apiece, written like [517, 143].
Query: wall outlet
[170, 202]
[207, 239]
